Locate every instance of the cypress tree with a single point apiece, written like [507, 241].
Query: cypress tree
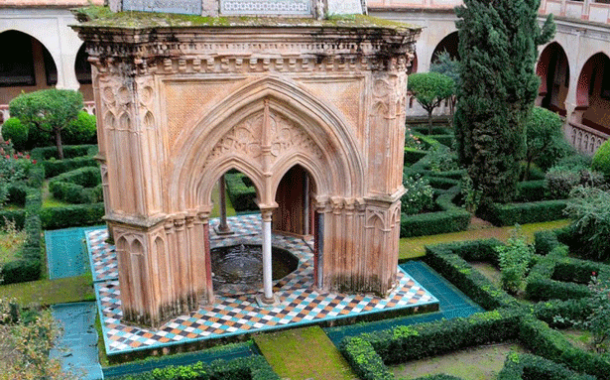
[498, 41]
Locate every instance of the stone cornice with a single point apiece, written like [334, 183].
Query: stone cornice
[211, 49]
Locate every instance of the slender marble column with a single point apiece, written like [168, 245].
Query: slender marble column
[267, 267]
[223, 228]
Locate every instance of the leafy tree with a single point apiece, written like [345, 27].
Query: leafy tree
[498, 43]
[430, 89]
[543, 136]
[445, 65]
[48, 110]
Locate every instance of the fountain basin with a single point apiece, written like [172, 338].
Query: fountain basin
[238, 269]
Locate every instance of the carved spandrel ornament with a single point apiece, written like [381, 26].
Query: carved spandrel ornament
[245, 138]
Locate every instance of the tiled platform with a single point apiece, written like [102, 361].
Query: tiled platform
[300, 303]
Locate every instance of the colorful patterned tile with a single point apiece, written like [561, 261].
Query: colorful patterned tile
[232, 314]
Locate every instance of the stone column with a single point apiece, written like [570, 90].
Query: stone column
[267, 265]
[223, 228]
[319, 250]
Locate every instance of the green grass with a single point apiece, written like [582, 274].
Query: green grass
[50, 292]
[475, 363]
[305, 353]
[48, 200]
[410, 248]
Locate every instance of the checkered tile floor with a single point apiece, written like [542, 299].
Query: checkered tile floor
[300, 303]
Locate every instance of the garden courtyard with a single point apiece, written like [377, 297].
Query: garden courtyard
[225, 218]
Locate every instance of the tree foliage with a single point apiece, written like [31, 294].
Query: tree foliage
[544, 136]
[48, 110]
[601, 159]
[498, 43]
[430, 89]
[447, 66]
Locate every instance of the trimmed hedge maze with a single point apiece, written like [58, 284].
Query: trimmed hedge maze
[79, 186]
[250, 368]
[506, 319]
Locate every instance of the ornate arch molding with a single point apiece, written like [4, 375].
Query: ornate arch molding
[328, 148]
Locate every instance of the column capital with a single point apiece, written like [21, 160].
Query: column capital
[267, 214]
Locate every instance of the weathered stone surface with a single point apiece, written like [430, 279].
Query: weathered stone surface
[178, 107]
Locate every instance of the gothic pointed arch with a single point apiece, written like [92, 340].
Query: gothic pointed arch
[270, 114]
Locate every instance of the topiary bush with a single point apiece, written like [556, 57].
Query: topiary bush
[601, 159]
[13, 130]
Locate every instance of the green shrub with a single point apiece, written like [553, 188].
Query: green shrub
[13, 130]
[563, 314]
[72, 216]
[522, 213]
[70, 151]
[78, 186]
[442, 182]
[81, 131]
[545, 242]
[433, 223]
[54, 168]
[589, 209]
[362, 357]
[412, 155]
[36, 175]
[532, 367]
[531, 191]
[514, 259]
[445, 260]
[242, 195]
[418, 196]
[551, 344]
[540, 285]
[440, 159]
[28, 266]
[17, 216]
[560, 181]
[249, 368]
[405, 343]
[601, 159]
[447, 140]
[576, 161]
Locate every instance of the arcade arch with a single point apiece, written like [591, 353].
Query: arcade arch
[593, 93]
[28, 67]
[554, 71]
[450, 45]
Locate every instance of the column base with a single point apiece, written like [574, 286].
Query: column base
[223, 232]
[262, 301]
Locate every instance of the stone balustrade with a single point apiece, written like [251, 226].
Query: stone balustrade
[585, 139]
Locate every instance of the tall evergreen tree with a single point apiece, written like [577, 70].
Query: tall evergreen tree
[498, 85]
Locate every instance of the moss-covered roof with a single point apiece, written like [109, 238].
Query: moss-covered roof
[102, 17]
